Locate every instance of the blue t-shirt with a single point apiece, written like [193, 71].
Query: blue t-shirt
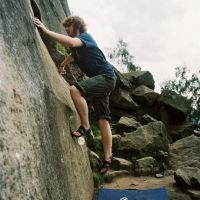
[90, 58]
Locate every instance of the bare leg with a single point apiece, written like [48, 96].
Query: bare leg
[81, 107]
[106, 138]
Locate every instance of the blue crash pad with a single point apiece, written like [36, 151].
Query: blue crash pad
[150, 194]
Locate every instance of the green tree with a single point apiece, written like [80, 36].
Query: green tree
[120, 54]
[188, 85]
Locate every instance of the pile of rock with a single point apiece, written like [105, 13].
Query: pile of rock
[151, 130]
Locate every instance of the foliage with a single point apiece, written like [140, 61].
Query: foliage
[94, 127]
[62, 49]
[188, 85]
[98, 179]
[98, 148]
[121, 55]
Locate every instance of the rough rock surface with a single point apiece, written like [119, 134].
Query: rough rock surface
[175, 104]
[122, 81]
[116, 139]
[38, 158]
[144, 95]
[120, 163]
[181, 130]
[146, 166]
[187, 176]
[122, 99]
[195, 194]
[185, 153]
[94, 161]
[141, 78]
[144, 141]
[145, 119]
[126, 124]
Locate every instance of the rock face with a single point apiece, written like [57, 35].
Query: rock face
[38, 158]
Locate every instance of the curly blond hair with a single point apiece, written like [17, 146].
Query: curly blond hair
[78, 23]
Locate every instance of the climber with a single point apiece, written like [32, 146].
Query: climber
[98, 86]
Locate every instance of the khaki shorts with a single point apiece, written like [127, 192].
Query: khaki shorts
[98, 88]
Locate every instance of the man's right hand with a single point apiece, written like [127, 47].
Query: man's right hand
[61, 69]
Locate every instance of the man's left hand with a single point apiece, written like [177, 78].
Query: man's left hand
[39, 24]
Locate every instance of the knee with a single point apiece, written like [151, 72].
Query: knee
[103, 121]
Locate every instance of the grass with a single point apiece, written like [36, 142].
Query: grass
[100, 178]
[95, 128]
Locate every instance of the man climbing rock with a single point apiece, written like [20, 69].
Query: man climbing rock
[101, 82]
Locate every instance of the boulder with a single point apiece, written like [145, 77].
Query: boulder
[145, 119]
[175, 104]
[144, 141]
[122, 81]
[196, 180]
[39, 159]
[153, 111]
[146, 166]
[178, 195]
[117, 112]
[188, 177]
[116, 139]
[111, 174]
[121, 99]
[195, 194]
[162, 158]
[185, 153]
[121, 164]
[94, 161]
[126, 124]
[144, 95]
[181, 130]
[141, 78]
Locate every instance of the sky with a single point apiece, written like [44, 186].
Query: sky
[161, 35]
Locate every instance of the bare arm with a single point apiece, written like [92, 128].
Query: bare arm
[65, 62]
[63, 39]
